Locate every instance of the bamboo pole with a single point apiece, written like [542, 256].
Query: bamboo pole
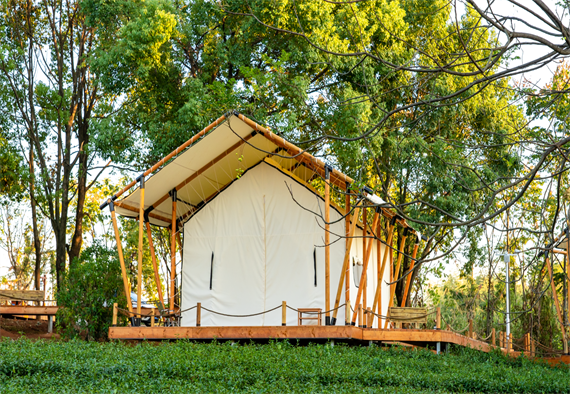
[327, 247]
[567, 256]
[382, 269]
[470, 328]
[173, 252]
[438, 318]
[365, 267]
[409, 278]
[154, 264]
[379, 266]
[360, 317]
[346, 267]
[140, 248]
[557, 304]
[121, 258]
[364, 235]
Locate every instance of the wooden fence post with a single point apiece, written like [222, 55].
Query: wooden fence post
[283, 313]
[115, 314]
[152, 315]
[493, 339]
[360, 316]
[470, 328]
[370, 318]
[198, 314]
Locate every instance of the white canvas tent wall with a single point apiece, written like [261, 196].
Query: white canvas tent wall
[265, 241]
[216, 175]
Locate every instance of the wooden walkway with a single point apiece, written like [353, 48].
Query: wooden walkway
[350, 333]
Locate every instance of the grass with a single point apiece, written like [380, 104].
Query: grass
[186, 367]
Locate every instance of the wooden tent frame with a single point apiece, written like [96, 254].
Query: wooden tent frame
[354, 202]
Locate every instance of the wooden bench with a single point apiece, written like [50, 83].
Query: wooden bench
[315, 312]
[29, 310]
[22, 295]
[400, 315]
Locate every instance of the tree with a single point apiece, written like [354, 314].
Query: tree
[49, 97]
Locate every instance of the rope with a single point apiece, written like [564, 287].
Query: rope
[250, 315]
[456, 331]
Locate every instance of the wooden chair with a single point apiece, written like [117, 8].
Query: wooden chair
[315, 314]
[414, 316]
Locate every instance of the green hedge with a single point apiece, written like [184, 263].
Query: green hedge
[78, 366]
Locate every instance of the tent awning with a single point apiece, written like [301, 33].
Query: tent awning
[211, 163]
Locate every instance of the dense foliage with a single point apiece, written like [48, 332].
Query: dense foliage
[89, 290]
[278, 367]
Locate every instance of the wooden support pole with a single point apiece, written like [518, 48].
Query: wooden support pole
[152, 315]
[365, 267]
[283, 313]
[397, 274]
[198, 314]
[470, 328]
[382, 268]
[121, 258]
[378, 267]
[140, 247]
[115, 305]
[154, 264]
[360, 316]
[409, 278]
[345, 267]
[557, 304]
[567, 256]
[438, 318]
[493, 339]
[370, 319]
[173, 251]
[364, 250]
[327, 247]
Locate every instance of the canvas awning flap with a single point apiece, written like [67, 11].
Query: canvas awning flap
[206, 168]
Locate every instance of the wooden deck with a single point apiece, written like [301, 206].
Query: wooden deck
[350, 333]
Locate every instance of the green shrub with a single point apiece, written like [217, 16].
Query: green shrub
[90, 287]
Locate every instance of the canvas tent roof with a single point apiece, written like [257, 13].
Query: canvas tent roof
[209, 162]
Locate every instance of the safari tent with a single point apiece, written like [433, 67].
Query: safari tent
[249, 230]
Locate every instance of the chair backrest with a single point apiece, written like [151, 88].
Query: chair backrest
[22, 295]
[408, 315]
